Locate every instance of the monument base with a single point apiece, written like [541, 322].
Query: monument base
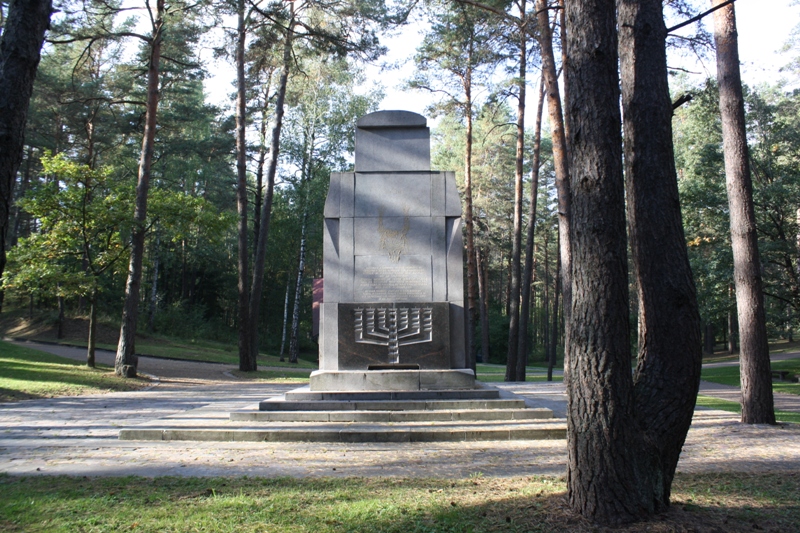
[394, 380]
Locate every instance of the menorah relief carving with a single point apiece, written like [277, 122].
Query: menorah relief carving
[393, 327]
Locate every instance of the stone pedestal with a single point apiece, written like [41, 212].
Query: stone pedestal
[393, 303]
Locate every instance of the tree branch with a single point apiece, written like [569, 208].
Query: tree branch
[698, 17]
[494, 10]
[682, 99]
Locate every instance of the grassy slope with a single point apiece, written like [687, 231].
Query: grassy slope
[27, 374]
[735, 407]
[718, 502]
[208, 351]
[75, 333]
[729, 375]
[494, 373]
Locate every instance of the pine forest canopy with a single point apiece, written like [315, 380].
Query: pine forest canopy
[131, 192]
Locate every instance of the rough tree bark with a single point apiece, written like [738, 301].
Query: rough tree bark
[516, 240]
[757, 401]
[668, 371]
[20, 50]
[527, 271]
[621, 449]
[247, 363]
[125, 362]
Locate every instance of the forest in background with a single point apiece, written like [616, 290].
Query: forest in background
[72, 220]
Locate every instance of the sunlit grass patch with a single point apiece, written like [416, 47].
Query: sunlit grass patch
[726, 502]
[27, 374]
[729, 375]
[735, 407]
[496, 373]
[205, 351]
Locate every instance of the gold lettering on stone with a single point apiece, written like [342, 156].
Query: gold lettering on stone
[393, 241]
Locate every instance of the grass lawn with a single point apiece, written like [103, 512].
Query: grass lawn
[75, 334]
[729, 375]
[495, 373]
[783, 346]
[718, 502]
[735, 407]
[27, 374]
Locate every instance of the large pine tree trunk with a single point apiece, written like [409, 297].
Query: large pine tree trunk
[285, 314]
[757, 401]
[551, 356]
[483, 291]
[472, 270]
[560, 158]
[515, 271]
[527, 271]
[19, 213]
[247, 363]
[92, 343]
[259, 265]
[733, 326]
[258, 197]
[609, 478]
[668, 371]
[125, 362]
[151, 319]
[546, 299]
[20, 50]
[294, 339]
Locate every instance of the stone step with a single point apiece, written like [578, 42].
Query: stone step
[439, 415]
[304, 394]
[553, 429]
[281, 404]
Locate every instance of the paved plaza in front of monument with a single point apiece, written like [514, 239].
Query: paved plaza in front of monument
[78, 436]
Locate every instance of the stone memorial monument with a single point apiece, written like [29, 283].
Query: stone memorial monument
[392, 312]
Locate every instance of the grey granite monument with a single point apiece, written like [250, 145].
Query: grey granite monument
[392, 316]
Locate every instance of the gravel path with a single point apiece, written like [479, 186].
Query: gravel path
[78, 436]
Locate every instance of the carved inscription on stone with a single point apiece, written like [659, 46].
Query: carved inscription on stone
[381, 279]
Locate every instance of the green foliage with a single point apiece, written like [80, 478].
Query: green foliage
[192, 322]
[457, 57]
[701, 182]
[774, 154]
[82, 216]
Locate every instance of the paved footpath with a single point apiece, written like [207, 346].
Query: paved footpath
[78, 436]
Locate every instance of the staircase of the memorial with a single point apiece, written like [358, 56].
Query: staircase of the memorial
[482, 413]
